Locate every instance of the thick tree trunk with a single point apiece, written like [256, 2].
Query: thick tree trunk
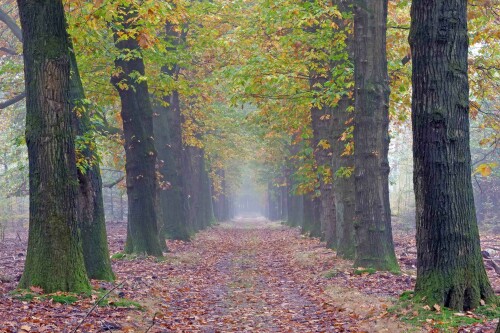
[140, 153]
[343, 184]
[450, 268]
[173, 206]
[173, 198]
[91, 221]
[54, 260]
[374, 244]
[322, 145]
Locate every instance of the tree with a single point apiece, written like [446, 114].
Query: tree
[54, 260]
[137, 116]
[90, 205]
[374, 244]
[173, 206]
[450, 269]
[91, 221]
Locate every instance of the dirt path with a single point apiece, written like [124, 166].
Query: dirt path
[248, 275]
[251, 286]
[251, 275]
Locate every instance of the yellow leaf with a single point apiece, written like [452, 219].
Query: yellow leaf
[485, 169]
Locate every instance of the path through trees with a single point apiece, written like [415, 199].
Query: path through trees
[248, 275]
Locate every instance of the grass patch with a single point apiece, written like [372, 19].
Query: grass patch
[63, 299]
[419, 314]
[29, 296]
[365, 271]
[122, 303]
[330, 274]
[124, 256]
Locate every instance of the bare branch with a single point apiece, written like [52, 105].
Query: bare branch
[95, 306]
[11, 24]
[13, 100]
[113, 183]
[8, 50]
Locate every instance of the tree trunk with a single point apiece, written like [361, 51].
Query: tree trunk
[311, 224]
[172, 197]
[91, 220]
[450, 269]
[343, 185]
[343, 182]
[54, 260]
[205, 194]
[168, 135]
[322, 140]
[374, 244]
[140, 153]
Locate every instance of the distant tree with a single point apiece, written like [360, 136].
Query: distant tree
[137, 117]
[450, 269]
[54, 260]
[374, 244]
[173, 206]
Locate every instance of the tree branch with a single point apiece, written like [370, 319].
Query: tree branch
[95, 306]
[8, 50]
[113, 183]
[11, 24]
[13, 100]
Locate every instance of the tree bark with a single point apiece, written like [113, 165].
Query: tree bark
[173, 198]
[91, 220]
[54, 260]
[450, 269]
[322, 139]
[374, 244]
[140, 153]
[343, 183]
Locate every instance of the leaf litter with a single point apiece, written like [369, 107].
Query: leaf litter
[249, 275]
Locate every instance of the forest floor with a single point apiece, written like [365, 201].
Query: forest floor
[248, 275]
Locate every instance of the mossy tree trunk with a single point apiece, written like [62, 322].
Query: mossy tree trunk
[91, 221]
[450, 269]
[140, 153]
[374, 244]
[54, 260]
